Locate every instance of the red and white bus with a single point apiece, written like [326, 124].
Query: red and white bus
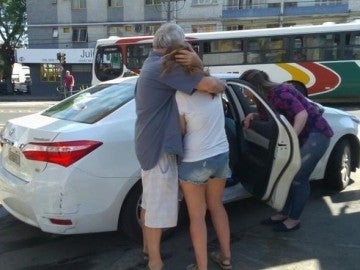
[324, 58]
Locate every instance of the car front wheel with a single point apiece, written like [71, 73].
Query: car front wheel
[339, 166]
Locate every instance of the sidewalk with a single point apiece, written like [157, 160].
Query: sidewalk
[25, 98]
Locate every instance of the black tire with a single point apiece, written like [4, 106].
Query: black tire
[339, 166]
[129, 218]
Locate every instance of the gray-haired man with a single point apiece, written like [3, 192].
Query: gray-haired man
[158, 139]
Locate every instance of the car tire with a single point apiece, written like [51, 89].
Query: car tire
[129, 218]
[339, 166]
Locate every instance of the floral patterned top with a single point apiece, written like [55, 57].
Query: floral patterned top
[288, 102]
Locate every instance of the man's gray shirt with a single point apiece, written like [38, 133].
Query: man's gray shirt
[157, 127]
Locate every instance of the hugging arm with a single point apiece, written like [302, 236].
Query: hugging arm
[188, 58]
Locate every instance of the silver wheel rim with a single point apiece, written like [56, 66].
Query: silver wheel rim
[345, 165]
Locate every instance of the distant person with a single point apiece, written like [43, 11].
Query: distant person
[158, 140]
[69, 83]
[314, 135]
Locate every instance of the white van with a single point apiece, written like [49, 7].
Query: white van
[21, 79]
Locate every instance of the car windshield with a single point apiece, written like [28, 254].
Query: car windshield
[94, 103]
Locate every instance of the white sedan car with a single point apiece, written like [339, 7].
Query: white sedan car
[72, 168]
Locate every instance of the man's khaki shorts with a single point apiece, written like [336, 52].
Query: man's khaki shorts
[160, 193]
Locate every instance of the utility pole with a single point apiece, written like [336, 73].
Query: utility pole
[281, 15]
[169, 7]
[168, 11]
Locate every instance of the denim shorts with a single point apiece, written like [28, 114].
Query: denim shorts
[198, 172]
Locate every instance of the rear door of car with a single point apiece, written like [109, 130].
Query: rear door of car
[265, 157]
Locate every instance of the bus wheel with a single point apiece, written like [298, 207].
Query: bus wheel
[338, 169]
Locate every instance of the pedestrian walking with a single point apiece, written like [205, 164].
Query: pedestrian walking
[69, 83]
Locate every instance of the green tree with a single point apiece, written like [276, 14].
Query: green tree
[12, 31]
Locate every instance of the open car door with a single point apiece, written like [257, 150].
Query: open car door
[265, 157]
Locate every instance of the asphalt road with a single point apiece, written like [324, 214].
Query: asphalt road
[329, 239]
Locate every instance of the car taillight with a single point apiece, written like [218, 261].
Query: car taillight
[62, 153]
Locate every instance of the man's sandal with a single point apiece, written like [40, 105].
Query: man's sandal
[219, 259]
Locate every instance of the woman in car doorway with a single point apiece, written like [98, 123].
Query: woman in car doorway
[314, 135]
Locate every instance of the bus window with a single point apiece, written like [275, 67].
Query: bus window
[253, 52]
[195, 45]
[298, 50]
[277, 50]
[108, 63]
[267, 50]
[312, 44]
[331, 47]
[321, 47]
[136, 55]
[223, 52]
[352, 46]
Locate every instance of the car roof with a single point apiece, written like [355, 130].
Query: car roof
[222, 76]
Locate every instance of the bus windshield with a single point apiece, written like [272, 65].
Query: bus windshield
[108, 63]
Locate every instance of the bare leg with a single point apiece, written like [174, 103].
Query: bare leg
[142, 219]
[195, 201]
[219, 217]
[151, 245]
[278, 216]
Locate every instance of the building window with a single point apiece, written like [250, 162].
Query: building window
[234, 27]
[55, 33]
[151, 29]
[116, 31]
[203, 28]
[152, 2]
[66, 30]
[115, 3]
[203, 2]
[233, 4]
[78, 4]
[79, 35]
[50, 72]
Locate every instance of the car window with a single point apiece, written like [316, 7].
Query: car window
[94, 103]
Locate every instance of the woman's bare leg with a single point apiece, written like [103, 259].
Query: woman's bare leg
[196, 204]
[219, 217]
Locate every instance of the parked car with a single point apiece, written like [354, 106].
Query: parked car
[72, 168]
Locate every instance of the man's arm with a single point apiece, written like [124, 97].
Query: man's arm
[211, 85]
[190, 58]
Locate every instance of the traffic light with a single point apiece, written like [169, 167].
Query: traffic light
[63, 58]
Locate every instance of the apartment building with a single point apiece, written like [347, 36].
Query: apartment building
[71, 27]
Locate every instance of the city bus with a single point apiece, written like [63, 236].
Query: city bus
[324, 58]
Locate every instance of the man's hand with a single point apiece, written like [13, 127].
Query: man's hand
[188, 58]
